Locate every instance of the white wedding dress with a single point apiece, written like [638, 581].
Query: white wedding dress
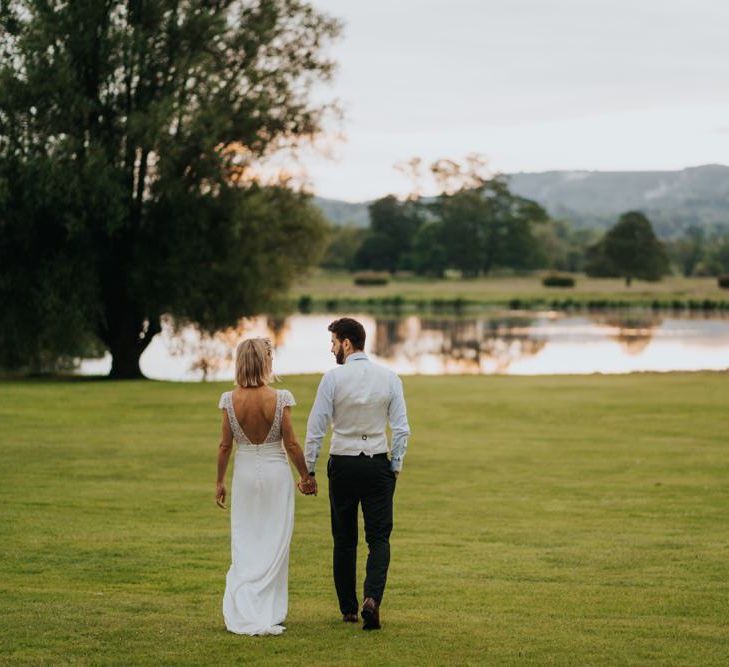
[261, 522]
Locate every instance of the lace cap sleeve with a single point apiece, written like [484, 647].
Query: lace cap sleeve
[221, 402]
[287, 399]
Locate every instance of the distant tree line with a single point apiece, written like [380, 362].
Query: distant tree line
[479, 229]
[700, 253]
[473, 230]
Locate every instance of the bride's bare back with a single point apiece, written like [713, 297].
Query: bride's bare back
[255, 410]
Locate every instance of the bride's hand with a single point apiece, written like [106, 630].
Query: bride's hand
[307, 486]
[220, 494]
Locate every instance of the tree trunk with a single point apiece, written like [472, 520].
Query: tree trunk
[125, 354]
[126, 339]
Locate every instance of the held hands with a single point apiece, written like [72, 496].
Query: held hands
[308, 486]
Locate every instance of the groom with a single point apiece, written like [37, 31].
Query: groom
[359, 397]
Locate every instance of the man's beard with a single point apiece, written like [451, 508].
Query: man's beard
[339, 356]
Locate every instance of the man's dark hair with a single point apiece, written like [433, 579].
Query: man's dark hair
[346, 327]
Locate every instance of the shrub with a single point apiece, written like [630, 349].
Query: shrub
[305, 303]
[371, 278]
[723, 281]
[558, 280]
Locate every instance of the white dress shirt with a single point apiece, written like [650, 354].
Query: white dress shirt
[358, 398]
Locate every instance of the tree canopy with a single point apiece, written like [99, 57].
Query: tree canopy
[474, 226]
[487, 226]
[629, 249]
[130, 136]
[393, 225]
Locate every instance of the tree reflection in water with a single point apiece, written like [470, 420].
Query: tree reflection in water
[532, 343]
[212, 354]
[450, 345]
[634, 330]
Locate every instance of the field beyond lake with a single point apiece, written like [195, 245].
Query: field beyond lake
[538, 520]
[526, 290]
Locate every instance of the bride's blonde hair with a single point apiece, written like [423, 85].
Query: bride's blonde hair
[254, 362]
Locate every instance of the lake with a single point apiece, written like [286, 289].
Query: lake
[509, 343]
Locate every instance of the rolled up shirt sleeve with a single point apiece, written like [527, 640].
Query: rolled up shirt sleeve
[398, 418]
[320, 418]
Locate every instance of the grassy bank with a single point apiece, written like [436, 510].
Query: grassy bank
[331, 290]
[538, 521]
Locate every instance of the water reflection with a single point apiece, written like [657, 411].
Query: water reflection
[506, 343]
[633, 331]
[447, 346]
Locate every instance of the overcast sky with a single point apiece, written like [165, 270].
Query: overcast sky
[532, 84]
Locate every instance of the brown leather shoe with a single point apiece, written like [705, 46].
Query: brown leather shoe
[350, 618]
[370, 615]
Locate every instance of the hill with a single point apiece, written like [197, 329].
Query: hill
[343, 212]
[673, 200]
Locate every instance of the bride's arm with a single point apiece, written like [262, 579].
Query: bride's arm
[293, 448]
[224, 450]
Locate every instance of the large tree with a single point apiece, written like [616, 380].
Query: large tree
[429, 254]
[629, 249]
[130, 135]
[486, 226]
[393, 225]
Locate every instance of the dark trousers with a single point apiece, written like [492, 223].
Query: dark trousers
[354, 480]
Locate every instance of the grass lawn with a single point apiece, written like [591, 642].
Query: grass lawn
[323, 285]
[553, 520]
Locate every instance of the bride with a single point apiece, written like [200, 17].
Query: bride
[258, 419]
